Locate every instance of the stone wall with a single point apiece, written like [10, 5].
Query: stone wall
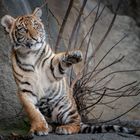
[9, 104]
[8, 100]
[129, 47]
[128, 7]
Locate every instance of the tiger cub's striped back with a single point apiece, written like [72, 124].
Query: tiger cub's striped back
[40, 77]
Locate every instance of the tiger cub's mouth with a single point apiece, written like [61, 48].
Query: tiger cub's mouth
[28, 46]
[31, 45]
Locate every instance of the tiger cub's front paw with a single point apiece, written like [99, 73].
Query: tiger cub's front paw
[72, 57]
[39, 128]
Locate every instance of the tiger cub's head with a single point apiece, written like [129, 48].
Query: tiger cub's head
[26, 32]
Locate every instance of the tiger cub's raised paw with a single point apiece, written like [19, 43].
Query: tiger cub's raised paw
[72, 57]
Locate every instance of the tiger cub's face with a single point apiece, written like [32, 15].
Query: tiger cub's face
[26, 32]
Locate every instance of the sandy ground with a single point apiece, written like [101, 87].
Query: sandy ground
[106, 136]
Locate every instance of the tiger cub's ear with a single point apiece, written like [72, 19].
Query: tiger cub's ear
[37, 12]
[7, 22]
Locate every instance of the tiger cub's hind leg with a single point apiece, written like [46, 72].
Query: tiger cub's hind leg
[66, 129]
[39, 125]
[70, 120]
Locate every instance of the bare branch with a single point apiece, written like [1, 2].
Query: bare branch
[122, 114]
[94, 103]
[63, 24]
[76, 23]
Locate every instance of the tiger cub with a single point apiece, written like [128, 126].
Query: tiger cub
[40, 77]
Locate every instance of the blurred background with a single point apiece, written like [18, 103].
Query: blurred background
[95, 29]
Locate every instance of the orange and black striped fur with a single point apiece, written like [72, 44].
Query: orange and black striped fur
[40, 77]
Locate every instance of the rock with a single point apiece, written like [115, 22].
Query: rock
[105, 136]
[129, 47]
[128, 7]
[9, 104]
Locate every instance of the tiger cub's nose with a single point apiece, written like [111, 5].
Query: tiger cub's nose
[28, 44]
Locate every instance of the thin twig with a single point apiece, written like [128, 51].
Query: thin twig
[121, 114]
[63, 24]
[45, 3]
[94, 103]
[76, 23]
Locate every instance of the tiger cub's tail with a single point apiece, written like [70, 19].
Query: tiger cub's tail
[88, 128]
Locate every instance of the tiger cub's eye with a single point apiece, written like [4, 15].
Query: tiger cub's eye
[22, 30]
[35, 25]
